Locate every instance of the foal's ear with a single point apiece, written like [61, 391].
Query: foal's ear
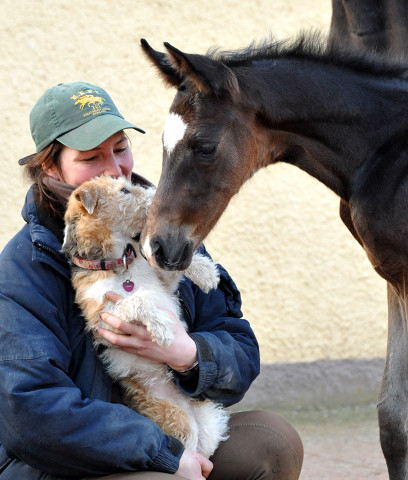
[163, 63]
[88, 196]
[208, 75]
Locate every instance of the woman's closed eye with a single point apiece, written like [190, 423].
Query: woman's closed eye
[90, 159]
[118, 151]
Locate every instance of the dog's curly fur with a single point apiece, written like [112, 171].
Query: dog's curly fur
[103, 216]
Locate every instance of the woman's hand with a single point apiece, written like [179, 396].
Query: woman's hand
[194, 466]
[136, 339]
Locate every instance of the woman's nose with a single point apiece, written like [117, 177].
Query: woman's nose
[113, 168]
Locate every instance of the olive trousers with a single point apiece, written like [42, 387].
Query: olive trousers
[262, 446]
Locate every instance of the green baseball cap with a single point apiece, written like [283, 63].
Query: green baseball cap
[79, 115]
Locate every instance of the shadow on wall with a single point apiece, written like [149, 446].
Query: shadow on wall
[315, 385]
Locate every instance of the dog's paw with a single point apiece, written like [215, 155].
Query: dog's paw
[203, 272]
[141, 307]
[160, 328]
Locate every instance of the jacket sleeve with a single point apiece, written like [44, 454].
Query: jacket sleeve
[228, 351]
[45, 419]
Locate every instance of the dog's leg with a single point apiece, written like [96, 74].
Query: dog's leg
[143, 307]
[212, 420]
[203, 272]
[172, 419]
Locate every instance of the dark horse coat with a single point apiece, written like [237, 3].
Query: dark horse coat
[340, 117]
[370, 24]
[382, 26]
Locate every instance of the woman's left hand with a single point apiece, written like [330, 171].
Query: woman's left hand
[135, 338]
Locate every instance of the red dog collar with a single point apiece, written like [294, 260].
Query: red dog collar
[107, 264]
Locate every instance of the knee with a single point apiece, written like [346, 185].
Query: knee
[275, 430]
[262, 445]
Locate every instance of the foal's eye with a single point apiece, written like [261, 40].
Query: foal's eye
[206, 150]
[124, 190]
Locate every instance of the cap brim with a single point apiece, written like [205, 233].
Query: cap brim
[26, 159]
[95, 132]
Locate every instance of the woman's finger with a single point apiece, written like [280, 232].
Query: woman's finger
[117, 323]
[121, 341]
[113, 297]
[129, 329]
[125, 327]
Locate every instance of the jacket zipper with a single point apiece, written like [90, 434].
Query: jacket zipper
[47, 249]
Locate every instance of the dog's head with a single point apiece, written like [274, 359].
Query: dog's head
[102, 215]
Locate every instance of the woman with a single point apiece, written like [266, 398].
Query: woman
[60, 415]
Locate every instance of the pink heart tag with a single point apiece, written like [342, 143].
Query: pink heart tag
[128, 285]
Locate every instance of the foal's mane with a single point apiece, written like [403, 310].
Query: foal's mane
[313, 47]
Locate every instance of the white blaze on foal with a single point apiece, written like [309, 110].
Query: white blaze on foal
[149, 254]
[174, 130]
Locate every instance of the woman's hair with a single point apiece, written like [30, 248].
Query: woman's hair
[35, 170]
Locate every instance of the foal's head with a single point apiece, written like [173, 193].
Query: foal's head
[235, 112]
[210, 144]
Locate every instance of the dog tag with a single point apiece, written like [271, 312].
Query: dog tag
[128, 285]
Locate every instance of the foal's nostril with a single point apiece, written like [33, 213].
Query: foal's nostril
[186, 253]
[169, 251]
[170, 255]
[161, 258]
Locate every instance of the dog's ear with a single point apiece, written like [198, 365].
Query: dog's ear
[88, 196]
[85, 197]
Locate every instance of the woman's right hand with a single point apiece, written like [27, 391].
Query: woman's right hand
[136, 339]
[194, 466]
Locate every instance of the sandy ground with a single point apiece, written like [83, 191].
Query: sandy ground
[341, 444]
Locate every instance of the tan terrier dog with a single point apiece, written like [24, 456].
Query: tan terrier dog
[103, 222]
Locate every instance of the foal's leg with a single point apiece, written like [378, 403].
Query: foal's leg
[393, 399]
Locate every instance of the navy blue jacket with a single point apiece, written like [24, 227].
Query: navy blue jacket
[57, 419]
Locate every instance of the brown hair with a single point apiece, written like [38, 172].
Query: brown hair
[35, 169]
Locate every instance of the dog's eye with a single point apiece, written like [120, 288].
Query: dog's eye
[124, 190]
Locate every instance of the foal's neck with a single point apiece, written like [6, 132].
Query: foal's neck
[326, 120]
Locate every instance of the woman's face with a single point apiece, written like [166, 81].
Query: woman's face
[112, 157]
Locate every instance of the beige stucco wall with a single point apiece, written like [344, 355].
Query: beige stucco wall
[308, 289]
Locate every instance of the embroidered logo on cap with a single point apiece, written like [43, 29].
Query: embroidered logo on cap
[92, 102]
